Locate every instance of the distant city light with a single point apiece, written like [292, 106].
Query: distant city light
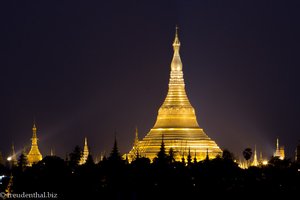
[1, 177]
[9, 158]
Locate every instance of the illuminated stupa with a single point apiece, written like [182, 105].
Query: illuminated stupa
[279, 151]
[34, 154]
[85, 153]
[176, 122]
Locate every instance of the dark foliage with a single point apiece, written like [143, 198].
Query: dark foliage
[247, 153]
[141, 179]
[75, 157]
[22, 162]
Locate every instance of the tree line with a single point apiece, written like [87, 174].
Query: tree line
[164, 178]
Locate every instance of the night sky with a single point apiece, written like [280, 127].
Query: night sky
[92, 69]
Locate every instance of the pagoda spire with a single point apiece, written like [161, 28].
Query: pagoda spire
[136, 139]
[279, 151]
[177, 118]
[34, 137]
[255, 161]
[51, 152]
[176, 110]
[176, 64]
[34, 154]
[176, 43]
[85, 152]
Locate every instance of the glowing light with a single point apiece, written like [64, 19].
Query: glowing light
[264, 162]
[9, 158]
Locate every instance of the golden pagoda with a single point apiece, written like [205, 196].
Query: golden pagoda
[255, 161]
[135, 152]
[279, 151]
[177, 121]
[85, 153]
[34, 154]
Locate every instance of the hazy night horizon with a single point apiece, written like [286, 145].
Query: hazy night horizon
[92, 69]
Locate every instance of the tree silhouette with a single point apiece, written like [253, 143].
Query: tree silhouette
[227, 155]
[171, 156]
[195, 158]
[22, 161]
[115, 154]
[183, 159]
[104, 159]
[75, 157]
[247, 153]
[161, 155]
[275, 161]
[207, 156]
[89, 160]
[189, 158]
[141, 178]
[126, 160]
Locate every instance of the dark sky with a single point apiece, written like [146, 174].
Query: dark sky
[90, 69]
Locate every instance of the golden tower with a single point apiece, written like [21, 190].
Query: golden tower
[177, 121]
[34, 154]
[279, 151]
[85, 152]
[135, 152]
[255, 161]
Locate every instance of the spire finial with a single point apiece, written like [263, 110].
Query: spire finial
[136, 133]
[136, 139]
[34, 124]
[176, 43]
[176, 64]
[85, 141]
[34, 130]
